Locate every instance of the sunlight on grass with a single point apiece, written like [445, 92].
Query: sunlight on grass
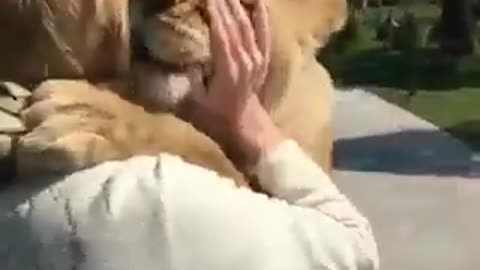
[455, 111]
[448, 95]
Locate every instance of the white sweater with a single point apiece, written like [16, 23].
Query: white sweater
[162, 213]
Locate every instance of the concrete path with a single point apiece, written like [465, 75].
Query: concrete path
[419, 187]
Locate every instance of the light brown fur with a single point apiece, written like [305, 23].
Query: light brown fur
[298, 95]
[77, 124]
[63, 39]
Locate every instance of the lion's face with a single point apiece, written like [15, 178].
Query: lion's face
[173, 35]
[172, 32]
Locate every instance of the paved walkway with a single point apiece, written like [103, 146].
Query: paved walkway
[419, 186]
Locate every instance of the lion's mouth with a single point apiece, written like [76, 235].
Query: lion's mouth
[173, 68]
[171, 52]
[164, 84]
[169, 42]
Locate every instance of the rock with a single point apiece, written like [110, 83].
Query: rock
[7, 160]
[5, 145]
[6, 142]
[14, 90]
[11, 105]
[10, 124]
[13, 98]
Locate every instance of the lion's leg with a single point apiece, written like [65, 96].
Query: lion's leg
[305, 113]
[74, 125]
[323, 154]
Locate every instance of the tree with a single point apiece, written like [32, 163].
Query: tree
[456, 27]
[359, 5]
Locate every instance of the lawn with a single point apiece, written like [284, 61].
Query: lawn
[457, 112]
[448, 96]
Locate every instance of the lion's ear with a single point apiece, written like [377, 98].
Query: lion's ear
[338, 15]
[331, 19]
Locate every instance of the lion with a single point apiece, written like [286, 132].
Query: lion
[64, 138]
[167, 36]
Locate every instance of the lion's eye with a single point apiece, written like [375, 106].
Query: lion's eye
[153, 7]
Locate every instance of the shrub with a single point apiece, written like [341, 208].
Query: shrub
[407, 36]
[433, 33]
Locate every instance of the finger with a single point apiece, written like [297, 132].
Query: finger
[247, 49]
[247, 34]
[219, 40]
[262, 30]
[238, 55]
[243, 64]
[226, 16]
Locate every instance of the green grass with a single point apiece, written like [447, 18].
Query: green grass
[444, 94]
[426, 10]
[423, 11]
[457, 112]
[422, 70]
[448, 97]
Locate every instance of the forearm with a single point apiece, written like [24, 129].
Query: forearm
[287, 173]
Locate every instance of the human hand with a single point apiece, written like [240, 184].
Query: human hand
[240, 52]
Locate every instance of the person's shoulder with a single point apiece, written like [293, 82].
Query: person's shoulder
[136, 174]
[125, 171]
[111, 188]
[105, 181]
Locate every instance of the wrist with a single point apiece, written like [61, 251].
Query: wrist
[268, 139]
[258, 142]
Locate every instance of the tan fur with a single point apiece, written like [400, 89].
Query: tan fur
[63, 39]
[299, 91]
[298, 94]
[88, 124]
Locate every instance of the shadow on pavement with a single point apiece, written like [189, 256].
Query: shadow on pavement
[408, 152]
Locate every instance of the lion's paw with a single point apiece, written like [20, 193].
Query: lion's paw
[62, 135]
[44, 152]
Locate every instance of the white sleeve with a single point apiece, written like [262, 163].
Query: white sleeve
[287, 173]
[164, 213]
[308, 224]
